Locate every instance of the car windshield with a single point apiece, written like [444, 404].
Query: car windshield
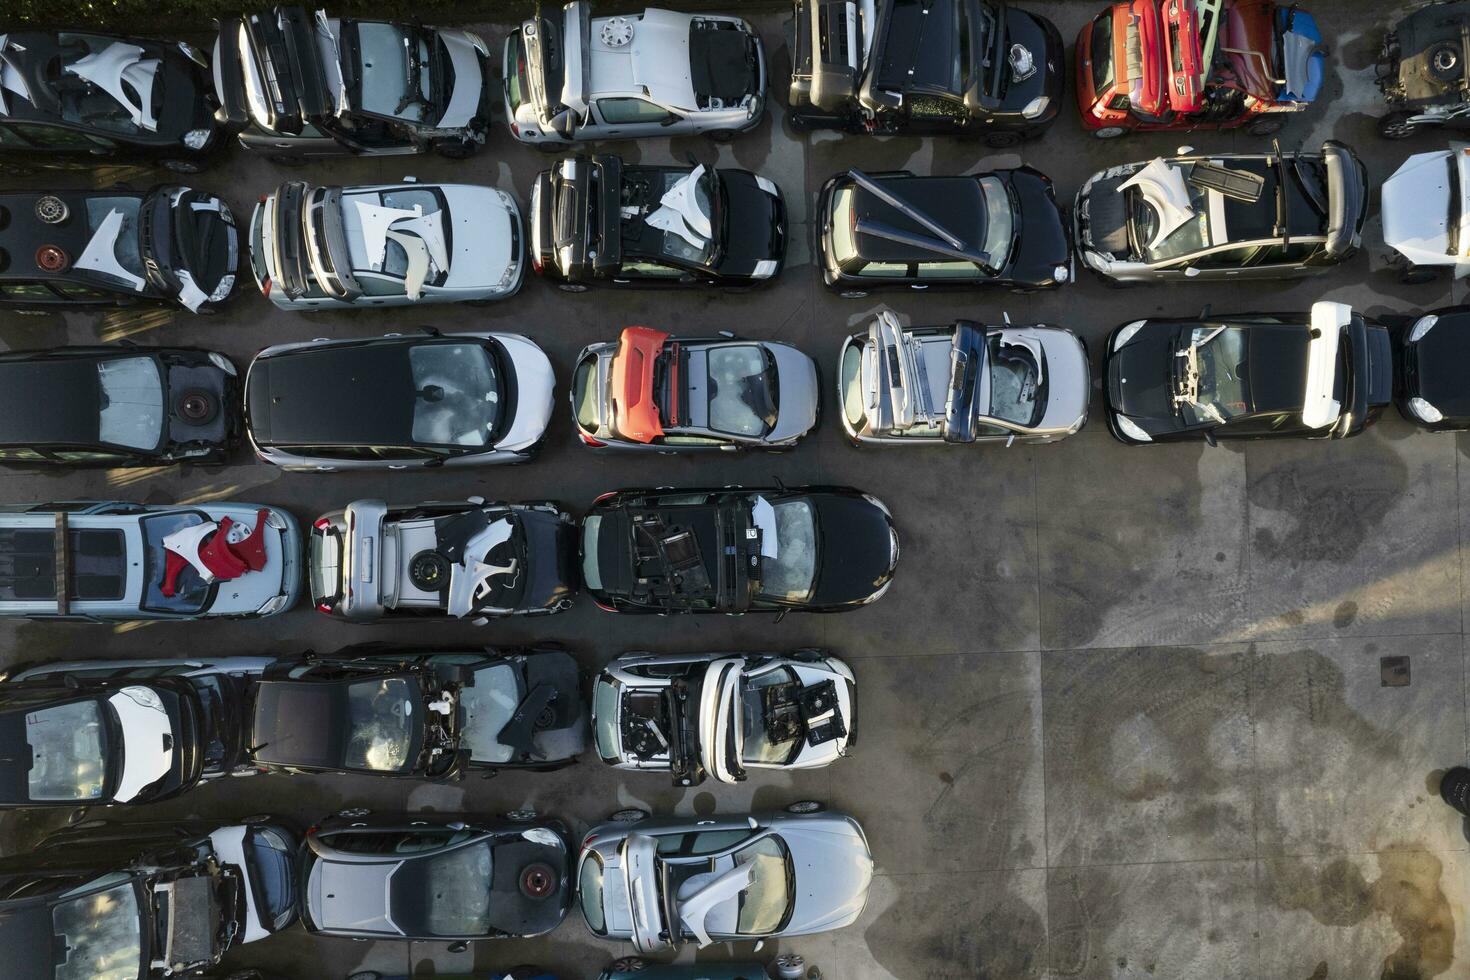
[764, 904]
[394, 71]
[132, 402]
[457, 395]
[766, 740]
[190, 593]
[107, 83]
[742, 390]
[1190, 237]
[68, 744]
[101, 935]
[1209, 374]
[382, 722]
[489, 704]
[589, 893]
[1015, 383]
[999, 221]
[708, 197]
[788, 548]
[445, 895]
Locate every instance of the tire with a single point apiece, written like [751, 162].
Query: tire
[1003, 139]
[628, 815]
[572, 287]
[1454, 789]
[1265, 127]
[286, 159]
[1109, 132]
[854, 294]
[452, 149]
[721, 135]
[523, 815]
[805, 806]
[182, 166]
[628, 964]
[790, 966]
[1396, 126]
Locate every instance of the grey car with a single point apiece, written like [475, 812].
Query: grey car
[571, 77]
[960, 383]
[661, 881]
[650, 391]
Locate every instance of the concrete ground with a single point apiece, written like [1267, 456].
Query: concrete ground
[1123, 712]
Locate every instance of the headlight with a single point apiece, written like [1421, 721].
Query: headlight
[197, 139]
[272, 606]
[1130, 429]
[1126, 334]
[1036, 106]
[478, 42]
[1060, 273]
[878, 504]
[223, 363]
[767, 185]
[1422, 327]
[226, 283]
[1424, 410]
[509, 276]
[764, 269]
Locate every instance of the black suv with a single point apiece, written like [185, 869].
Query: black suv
[117, 406]
[62, 249]
[83, 95]
[925, 67]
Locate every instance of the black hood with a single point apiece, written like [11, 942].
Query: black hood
[1048, 53]
[1139, 376]
[551, 547]
[754, 226]
[1436, 365]
[1043, 243]
[857, 548]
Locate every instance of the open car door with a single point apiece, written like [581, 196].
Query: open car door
[966, 367]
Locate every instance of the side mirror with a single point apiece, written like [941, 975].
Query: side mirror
[1210, 438]
[459, 947]
[669, 121]
[564, 124]
[1191, 271]
[727, 334]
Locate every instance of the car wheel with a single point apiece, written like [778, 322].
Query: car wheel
[452, 149]
[182, 166]
[1454, 789]
[631, 815]
[353, 812]
[1265, 127]
[790, 966]
[538, 881]
[628, 964]
[806, 806]
[524, 815]
[1002, 140]
[572, 287]
[721, 135]
[1109, 132]
[286, 159]
[854, 294]
[1396, 126]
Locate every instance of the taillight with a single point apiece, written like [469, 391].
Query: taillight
[323, 607]
[604, 608]
[610, 493]
[515, 130]
[588, 440]
[588, 840]
[322, 524]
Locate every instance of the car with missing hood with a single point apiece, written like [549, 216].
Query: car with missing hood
[419, 713]
[396, 402]
[112, 901]
[649, 391]
[720, 715]
[117, 407]
[116, 248]
[1430, 389]
[1326, 374]
[124, 561]
[1001, 228]
[1421, 206]
[660, 882]
[572, 77]
[315, 247]
[1421, 69]
[964, 382]
[299, 85]
[442, 559]
[1215, 217]
[597, 222]
[737, 550]
[1151, 65]
[963, 67]
[428, 876]
[82, 96]
[84, 733]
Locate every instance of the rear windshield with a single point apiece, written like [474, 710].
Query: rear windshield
[132, 402]
[1102, 52]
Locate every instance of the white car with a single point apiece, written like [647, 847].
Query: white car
[720, 714]
[1424, 208]
[315, 247]
[658, 73]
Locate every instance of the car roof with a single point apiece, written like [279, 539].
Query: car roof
[957, 202]
[49, 400]
[921, 47]
[22, 233]
[1276, 359]
[358, 394]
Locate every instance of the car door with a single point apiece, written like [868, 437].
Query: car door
[628, 116]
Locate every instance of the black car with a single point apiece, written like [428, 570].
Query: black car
[117, 406]
[1323, 375]
[809, 549]
[1001, 228]
[110, 900]
[1421, 70]
[1432, 391]
[966, 67]
[297, 84]
[425, 715]
[596, 221]
[81, 95]
[91, 249]
[435, 876]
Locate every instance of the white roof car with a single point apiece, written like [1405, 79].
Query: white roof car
[658, 73]
[385, 245]
[119, 561]
[1426, 213]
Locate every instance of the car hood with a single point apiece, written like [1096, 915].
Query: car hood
[535, 392]
[1048, 54]
[484, 225]
[798, 395]
[281, 574]
[1043, 243]
[551, 546]
[833, 872]
[1438, 359]
[1139, 375]
[469, 80]
[1069, 381]
[755, 228]
[858, 549]
[1416, 209]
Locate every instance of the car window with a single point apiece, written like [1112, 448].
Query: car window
[101, 934]
[87, 456]
[29, 292]
[948, 270]
[1102, 54]
[445, 895]
[382, 724]
[618, 111]
[700, 844]
[53, 136]
[765, 901]
[878, 269]
[67, 748]
[1229, 258]
[20, 454]
[375, 285]
[132, 402]
[655, 270]
[685, 440]
[742, 390]
[457, 394]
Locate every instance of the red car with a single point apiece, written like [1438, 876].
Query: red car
[1187, 64]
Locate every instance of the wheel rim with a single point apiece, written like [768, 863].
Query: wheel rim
[538, 881]
[626, 816]
[628, 964]
[1109, 132]
[805, 806]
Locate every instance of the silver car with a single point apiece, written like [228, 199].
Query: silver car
[570, 77]
[385, 245]
[720, 715]
[659, 882]
[650, 391]
[964, 382]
